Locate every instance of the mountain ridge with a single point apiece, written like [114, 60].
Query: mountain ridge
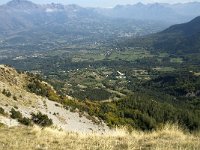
[183, 37]
[21, 4]
[177, 39]
[188, 28]
[171, 13]
[25, 15]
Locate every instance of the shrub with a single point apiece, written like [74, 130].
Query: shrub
[41, 119]
[25, 121]
[6, 93]
[2, 111]
[2, 125]
[15, 98]
[15, 114]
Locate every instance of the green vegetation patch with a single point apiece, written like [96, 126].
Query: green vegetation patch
[176, 60]
[129, 55]
[41, 120]
[164, 69]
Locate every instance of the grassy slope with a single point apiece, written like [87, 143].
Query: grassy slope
[168, 138]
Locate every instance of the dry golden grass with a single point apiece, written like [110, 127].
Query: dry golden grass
[168, 138]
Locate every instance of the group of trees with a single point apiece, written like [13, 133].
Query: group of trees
[176, 84]
[43, 89]
[91, 94]
[140, 111]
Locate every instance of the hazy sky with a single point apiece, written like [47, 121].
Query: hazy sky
[104, 3]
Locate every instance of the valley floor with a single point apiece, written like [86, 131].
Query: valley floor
[168, 138]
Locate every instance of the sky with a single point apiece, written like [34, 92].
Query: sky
[104, 3]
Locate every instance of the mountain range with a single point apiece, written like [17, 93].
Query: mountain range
[26, 23]
[22, 18]
[168, 13]
[20, 15]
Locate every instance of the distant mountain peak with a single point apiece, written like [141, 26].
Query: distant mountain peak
[21, 4]
[139, 4]
[17, 1]
[55, 6]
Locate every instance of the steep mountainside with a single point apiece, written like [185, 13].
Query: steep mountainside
[186, 29]
[177, 39]
[15, 95]
[180, 38]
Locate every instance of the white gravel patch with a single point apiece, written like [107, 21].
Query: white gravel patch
[62, 118]
[9, 122]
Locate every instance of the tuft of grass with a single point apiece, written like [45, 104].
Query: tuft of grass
[169, 137]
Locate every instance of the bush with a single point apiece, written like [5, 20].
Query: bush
[15, 98]
[6, 93]
[2, 111]
[2, 125]
[15, 114]
[41, 119]
[25, 121]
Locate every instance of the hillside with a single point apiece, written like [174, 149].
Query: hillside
[15, 95]
[167, 138]
[180, 38]
[186, 29]
[177, 39]
[152, 103]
